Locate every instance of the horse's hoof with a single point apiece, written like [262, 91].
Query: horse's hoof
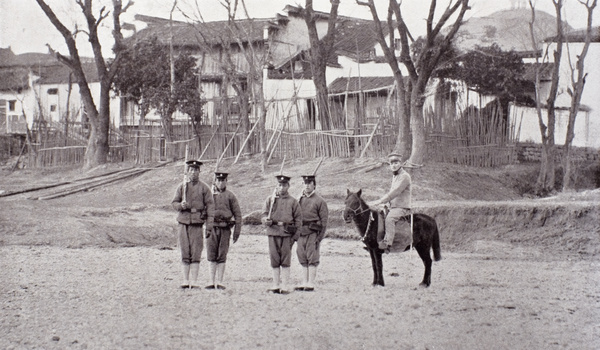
[424, 285]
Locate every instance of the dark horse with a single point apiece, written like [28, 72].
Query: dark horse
[425, 235]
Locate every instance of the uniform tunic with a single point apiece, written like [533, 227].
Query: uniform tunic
[226, 208]
[314, 211]
[200, 211]
[399, 198]
[285, 212]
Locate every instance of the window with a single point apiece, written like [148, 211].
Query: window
[52, 91]
[12, 105]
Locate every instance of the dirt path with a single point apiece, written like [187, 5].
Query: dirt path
[497, 296]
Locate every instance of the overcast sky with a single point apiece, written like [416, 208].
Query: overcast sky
[25, 28]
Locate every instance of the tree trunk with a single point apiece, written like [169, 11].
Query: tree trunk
[97, 150]
[546, 177]
[320, 81]
[320, 50]
[417, 122]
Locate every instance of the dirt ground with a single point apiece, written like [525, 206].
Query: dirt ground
[100, 269]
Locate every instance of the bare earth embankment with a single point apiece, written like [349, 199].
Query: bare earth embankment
[100, 269]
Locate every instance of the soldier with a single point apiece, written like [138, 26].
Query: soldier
[314, 223]
[281, 216]
[227, 214]
[194, 202]
[399, 201]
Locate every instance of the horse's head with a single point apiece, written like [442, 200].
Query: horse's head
[354, 205]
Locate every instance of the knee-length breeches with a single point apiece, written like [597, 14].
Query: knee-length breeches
[308, 250]
[217, 245]
[280, 251]
[190, 243]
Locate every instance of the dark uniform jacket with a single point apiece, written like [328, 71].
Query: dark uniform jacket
[286, 212]
[226, 208]
[200, 203]
[315, 215]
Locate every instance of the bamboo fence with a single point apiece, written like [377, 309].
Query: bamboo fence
[474, 137]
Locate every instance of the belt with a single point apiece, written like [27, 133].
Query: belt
[306, 223]
[279, 223]
[193, 210]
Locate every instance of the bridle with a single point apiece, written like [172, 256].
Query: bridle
[358, 211]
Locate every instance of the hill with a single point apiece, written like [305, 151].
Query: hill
[508, 28]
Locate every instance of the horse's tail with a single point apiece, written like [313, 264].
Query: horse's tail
[435, 244]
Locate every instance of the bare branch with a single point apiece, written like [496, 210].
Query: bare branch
[102, 15]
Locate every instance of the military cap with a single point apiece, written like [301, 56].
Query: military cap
[221, 176]
[193, 163]
[308, 178]
[395, 155]
[282, 179]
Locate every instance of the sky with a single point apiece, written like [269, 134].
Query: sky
[25, 28]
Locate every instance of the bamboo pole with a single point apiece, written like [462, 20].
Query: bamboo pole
[209, 141]
[317, 167]
[229, 143]
[245, 141]
[370, 137]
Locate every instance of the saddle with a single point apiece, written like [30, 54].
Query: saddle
[404, 229]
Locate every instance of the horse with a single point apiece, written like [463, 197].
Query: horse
[425, 235]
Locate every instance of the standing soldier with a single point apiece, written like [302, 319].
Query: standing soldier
[194, 202]
[281, 216]
[227, 214]
[314, 223]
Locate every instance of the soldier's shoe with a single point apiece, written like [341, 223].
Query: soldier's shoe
[309, 289]
[301, 289]
[210, 286]
[284, 291]
[274, 289]
[194, 284]
[185, 284]
[383, 245]
[220, 287]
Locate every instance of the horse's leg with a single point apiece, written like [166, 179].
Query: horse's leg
[373, 264]
[423, 250]
[379, 257]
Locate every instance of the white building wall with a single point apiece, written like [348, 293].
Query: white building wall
[587, 124]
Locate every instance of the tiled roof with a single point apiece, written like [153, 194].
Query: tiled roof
[356, 37]
[545, 71]
[14, 79]
[59, 74]
[578, 36]
[356, 84]
[193, 35]
[7, 57]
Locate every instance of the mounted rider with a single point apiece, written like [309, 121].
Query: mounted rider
[398, 200]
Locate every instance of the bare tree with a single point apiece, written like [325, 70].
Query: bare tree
[234, 47]
[99, 117]
[578, 76]
[425, 61]
[546, 177]
[402, 104]
[319, 53]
